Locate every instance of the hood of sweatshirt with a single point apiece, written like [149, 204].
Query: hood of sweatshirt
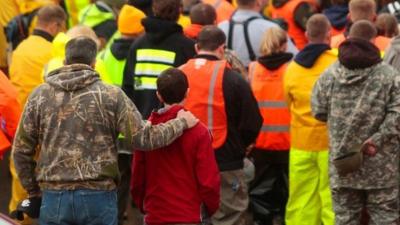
[120, 48]
[309, 55]
[163, 115]
[358, 58]
[72, 77]
[274, 61]
[158, 29]
[337, 15]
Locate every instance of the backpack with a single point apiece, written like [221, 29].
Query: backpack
[18, 28]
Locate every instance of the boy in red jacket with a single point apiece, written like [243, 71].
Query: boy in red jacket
[171, 184]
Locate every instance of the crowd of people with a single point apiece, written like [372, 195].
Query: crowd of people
[243, 112]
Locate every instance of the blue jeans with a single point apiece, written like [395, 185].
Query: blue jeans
[79, 207]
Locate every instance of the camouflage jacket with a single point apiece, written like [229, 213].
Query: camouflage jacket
[358, 105]
[73, 121]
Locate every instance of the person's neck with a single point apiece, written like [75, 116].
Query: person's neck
[169, 106]
[203, 52]
[318, 42]
[249, 8]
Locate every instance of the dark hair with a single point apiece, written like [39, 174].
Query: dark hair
[80, 50]
[203, 14]
[167, 9]
[51, 13]
[172, 85]
[210, 38]
[363, 29]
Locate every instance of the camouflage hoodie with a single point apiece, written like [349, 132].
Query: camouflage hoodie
[358, 104]
[73, 120]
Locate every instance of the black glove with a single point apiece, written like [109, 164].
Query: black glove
[30, 207]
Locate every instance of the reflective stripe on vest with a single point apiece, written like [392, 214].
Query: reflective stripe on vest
[150, 63]
[205, 98]
[92, 16]
[267, 86]
[211, 96]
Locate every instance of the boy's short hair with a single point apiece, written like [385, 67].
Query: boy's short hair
[318, 27]
[172, 85]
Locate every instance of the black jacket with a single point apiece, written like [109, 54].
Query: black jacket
[161, 35]
[243, 117]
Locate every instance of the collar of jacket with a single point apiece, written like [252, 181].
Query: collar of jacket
[275, 60]
[120, 48]
[356, 53]
[72, 77]
[206, 56]
[43, 34]
[309, 55]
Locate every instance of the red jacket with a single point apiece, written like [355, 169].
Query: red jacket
[170, 184]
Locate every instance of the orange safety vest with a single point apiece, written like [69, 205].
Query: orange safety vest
[380, 42]
[223, 8]
[9, 112]
[205, 98]
[335, 31]
[286, 12]
[267, 86]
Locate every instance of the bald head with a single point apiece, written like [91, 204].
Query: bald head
[363, 29]
[83, 31]
[362, 10]
[318, 29]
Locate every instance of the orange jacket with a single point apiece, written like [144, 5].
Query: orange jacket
[224, 9]
[192, 31]
[287, 12]
[380, 41]
[267, 86]
[205, 98]
[10, 111]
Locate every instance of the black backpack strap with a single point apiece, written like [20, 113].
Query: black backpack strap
[245, 24]
[252, 55]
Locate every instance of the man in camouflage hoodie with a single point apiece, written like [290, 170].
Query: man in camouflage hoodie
[72, 122]
[359, 97]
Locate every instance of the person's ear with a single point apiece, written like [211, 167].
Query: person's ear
[196, 47]
[93, 64]
[159, 97]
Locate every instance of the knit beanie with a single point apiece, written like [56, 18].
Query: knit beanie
[129, 20]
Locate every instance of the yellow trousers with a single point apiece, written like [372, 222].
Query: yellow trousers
[18, 193]
[310, 201]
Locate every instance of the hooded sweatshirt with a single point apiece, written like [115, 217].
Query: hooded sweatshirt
[163, 45]
[75, 119]
[180, 176]
[359, 97]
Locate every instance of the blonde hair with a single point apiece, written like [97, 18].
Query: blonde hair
[272, 41]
